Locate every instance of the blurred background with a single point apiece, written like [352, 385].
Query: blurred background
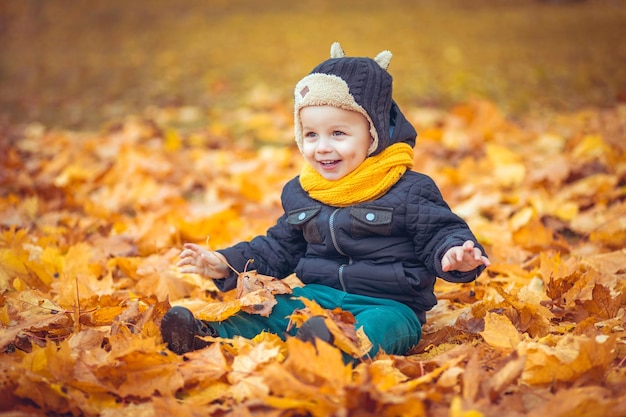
[77, 64]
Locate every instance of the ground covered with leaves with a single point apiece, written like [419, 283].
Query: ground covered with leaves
[127, 130]
[91, 225]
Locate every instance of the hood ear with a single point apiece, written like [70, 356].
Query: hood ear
[336, 51]
[383, 59]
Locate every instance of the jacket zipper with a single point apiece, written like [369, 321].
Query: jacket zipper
[333, 236]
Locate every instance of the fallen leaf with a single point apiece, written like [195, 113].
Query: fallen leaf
[499, 332]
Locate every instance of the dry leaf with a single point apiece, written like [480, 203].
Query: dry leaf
[499, 332]
[341, 325]
[255, 295]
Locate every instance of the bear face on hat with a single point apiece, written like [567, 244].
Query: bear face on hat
[352, 83]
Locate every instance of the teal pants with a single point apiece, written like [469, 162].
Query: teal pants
[390, 325]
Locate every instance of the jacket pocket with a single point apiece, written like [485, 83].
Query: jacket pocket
[370, 221]
[303, 218]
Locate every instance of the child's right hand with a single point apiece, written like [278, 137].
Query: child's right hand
[195, 259]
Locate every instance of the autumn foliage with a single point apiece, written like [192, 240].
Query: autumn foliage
[91, 225]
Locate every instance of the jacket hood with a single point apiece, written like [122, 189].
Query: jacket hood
[400, 129]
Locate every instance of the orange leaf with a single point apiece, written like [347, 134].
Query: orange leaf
[499, 332]
[340, 324]
[566, 358]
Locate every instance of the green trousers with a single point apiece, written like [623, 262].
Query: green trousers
[390, 325]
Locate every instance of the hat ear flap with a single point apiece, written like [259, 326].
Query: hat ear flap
[383, 59]
[336, 51]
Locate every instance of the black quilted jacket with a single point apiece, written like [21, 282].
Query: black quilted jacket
[390, 247]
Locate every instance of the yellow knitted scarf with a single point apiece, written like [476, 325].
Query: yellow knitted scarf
[368, 181]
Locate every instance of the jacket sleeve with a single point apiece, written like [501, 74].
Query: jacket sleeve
[275, 254]
[436, 229]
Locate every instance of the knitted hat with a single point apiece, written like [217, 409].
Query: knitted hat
[358, 84]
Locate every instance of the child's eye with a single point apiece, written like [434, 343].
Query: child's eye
[338, 133]
[310, 134]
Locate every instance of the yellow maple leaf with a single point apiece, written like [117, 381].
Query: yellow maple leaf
[219, 311]
[499, 332]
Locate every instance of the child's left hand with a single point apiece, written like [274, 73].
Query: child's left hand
[463, 258]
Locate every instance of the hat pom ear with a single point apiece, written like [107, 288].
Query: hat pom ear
[383, 59]
[336, 51]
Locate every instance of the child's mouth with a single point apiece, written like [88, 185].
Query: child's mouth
[329, 164]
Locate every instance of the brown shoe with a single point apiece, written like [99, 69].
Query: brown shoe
[179, 329]
[315, 329]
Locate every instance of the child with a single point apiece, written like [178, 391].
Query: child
[360, 229]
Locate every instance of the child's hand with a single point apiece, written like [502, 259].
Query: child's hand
[197, 260]
[463, 258]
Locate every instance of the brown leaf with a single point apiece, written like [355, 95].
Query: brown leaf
[256, 292]
[603, 304]
[252, 281]
[510, 373]
[255, 295]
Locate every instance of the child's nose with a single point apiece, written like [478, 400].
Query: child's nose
[324, 145]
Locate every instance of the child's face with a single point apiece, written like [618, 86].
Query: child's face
[336, 141]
